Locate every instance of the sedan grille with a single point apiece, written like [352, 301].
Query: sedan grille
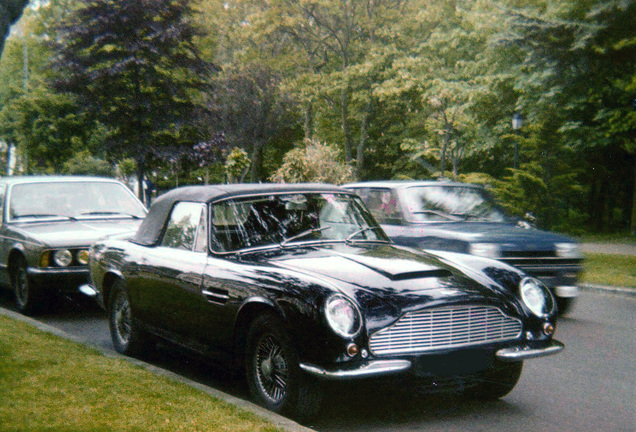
[447, 327]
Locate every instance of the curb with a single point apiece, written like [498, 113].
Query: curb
[629, 292]
[278, 421]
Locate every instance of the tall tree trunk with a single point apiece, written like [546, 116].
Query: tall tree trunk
[257, 162]
[309, 121]
[445, 143]
[364, 135]
[633, 225]
[344, 103]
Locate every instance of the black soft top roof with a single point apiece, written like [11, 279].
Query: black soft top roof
[150, 230]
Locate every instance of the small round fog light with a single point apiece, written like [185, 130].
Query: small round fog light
[352, 350]
[548, 329]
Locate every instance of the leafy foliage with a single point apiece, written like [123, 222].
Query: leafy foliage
[134, 66]
[316, 162]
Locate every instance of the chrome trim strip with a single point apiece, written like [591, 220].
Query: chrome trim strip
[373, 368]
[215, 295]
[520, 353]
[57, 271]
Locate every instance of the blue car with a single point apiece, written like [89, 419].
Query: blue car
[460, 217]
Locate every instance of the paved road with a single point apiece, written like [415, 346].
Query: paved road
[589, 387]
[611, 249]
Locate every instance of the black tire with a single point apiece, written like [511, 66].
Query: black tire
[274, 377]
[498, 381]
[128, 338]
[29, 299]
[564, 304]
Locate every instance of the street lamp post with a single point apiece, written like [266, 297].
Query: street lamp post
[517, 124]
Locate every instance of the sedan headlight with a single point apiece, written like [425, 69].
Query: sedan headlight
[488, 250]
[82, 256]
[63, 257]
[536, 297]
[343, 316]
[568, 250]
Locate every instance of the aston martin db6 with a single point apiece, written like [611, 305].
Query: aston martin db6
[295, 285]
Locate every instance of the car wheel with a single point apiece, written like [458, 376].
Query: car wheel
[498, 382]
[273, 372]
[564, 304]
[28, 297]
[128, 338]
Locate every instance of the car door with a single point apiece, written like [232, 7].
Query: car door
[171, 275]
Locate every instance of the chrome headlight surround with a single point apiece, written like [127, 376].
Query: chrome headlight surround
[536, 297]
[568, 250]
[487, 250]
[63, 257]
[343, 316]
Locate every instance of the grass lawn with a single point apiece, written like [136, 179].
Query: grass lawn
[613, 270]
[50, 384]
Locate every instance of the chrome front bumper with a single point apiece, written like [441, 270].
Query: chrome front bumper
[372, 368]
[520, 353]
[388, 367]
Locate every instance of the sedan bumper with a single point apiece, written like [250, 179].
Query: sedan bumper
[63, 279]
[388, 367]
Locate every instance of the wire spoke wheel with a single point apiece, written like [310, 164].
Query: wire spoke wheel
[127, 335]
[272, 370]
[21, 287]
[121, 317]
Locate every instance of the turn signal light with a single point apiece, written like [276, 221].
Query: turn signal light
[548, 329]
[352, 350]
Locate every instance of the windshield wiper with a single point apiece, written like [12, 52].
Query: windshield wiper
[106, 213]
[452, 217]
[303, 234]
[43, 215]
[349, 239]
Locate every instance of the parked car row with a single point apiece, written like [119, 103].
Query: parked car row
[291, 285]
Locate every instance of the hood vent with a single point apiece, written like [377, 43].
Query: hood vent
[440, 273]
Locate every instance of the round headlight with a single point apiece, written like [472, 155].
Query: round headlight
[343, 316]
[63, 257]
[536, 297]
[82, 257]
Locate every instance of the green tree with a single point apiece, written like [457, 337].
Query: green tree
[315, 162]
[83, 163]
[134, 66]
[249, 106]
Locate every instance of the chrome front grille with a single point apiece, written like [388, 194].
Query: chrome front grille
[447, 327]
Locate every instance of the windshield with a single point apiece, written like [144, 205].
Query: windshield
[452, 204]
[72, 200]
[291, 219]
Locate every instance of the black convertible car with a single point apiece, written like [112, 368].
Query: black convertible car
[296, 284]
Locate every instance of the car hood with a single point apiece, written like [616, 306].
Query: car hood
[76, 233]
[391, 280]
[503, 233]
